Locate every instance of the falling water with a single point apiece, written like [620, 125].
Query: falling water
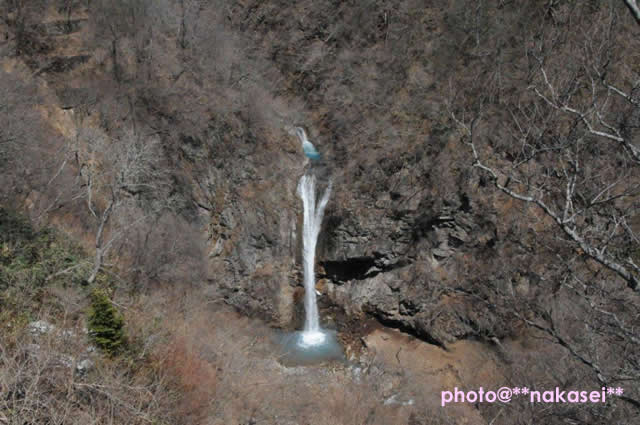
[313, 213]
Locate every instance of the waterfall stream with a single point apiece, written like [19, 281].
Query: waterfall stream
[313, 344]
[312, 221]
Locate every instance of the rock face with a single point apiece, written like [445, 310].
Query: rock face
[402, 266]
[402, 255]
[406, 225]
[405, 217]
[409, 260]
[413, 235]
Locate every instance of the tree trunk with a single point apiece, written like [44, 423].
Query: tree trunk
[100, 250]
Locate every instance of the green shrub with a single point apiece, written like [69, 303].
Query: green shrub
[33, 258]
[106, 324]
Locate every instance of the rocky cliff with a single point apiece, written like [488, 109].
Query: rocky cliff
[416, 235]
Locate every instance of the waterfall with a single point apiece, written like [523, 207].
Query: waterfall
[313, 344]
[311, 229]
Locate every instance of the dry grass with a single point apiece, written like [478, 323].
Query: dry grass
[193, 377]
[223, 369]
[40, 382]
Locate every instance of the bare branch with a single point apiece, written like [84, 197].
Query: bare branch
[634, 9]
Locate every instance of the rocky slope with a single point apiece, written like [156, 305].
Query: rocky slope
[414, 236]
[408, 222]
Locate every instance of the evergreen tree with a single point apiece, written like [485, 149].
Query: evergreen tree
[106, 324]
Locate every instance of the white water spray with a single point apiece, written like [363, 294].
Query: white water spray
[313, 213]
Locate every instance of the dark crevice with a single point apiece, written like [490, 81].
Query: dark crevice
[63, 64]
[203, 206]
[465, 203]
[424, 224]
[403, 327]
[358, 268]
[353, 268]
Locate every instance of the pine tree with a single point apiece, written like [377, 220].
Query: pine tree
[106, 324]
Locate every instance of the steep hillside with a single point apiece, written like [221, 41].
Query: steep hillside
[484, 159]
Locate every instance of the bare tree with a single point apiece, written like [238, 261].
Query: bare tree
[115, 21]
[22, 16]
[43, 381]
[129, 30]
[34, 171]
[634, 8]
[572, 147]
[561, 134]
[124, 181]
[16, 99]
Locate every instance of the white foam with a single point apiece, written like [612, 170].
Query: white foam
[312, 338]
